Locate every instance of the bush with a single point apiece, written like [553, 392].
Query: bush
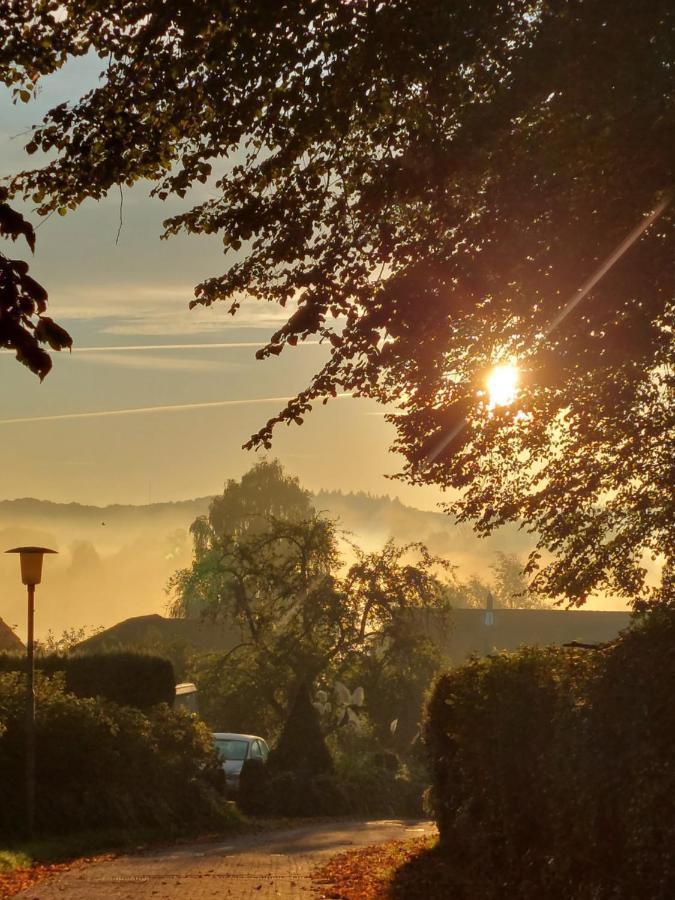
[301, 779]
[370, 784]
[297, 778]
[100, 765]
[304, 794]
[552, 769]
[253, 796]
[301, 746]
[378, 784]
[125, 677]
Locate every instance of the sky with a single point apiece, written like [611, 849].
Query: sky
[190, 378]
[155, 401]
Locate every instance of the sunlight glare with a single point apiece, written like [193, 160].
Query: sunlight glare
[502, 385]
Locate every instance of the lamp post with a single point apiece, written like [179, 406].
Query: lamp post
[488, 621]
[31, 574]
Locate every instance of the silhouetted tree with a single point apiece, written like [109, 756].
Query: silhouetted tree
[24, 327]
[282, 586]
[424, 184]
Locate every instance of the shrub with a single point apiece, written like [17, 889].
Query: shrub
[253, 795]
[125, 677]
[301, 779]
[101, 765]
[361, 785]
[552, 768]
[378, 784]
[304, 794]
[301, 746]
[297, 778]
[631, 771]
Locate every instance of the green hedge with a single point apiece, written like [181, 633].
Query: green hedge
[554, 771]
[100, 765]
[130, 679]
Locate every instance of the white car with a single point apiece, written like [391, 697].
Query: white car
[233, 749]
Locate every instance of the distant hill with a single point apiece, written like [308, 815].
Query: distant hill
[114, 561]
[374, 519]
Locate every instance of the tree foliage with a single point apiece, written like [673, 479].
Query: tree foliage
[24, 327]
[424, 185]
[301, 612]
[509, 586]
[264, 492]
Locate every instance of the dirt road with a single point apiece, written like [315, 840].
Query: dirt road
[274, 864]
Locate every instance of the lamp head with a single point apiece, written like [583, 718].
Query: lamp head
[31, 563]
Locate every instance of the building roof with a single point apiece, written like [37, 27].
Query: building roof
[508, 629]
[155, 631]
[8, 640]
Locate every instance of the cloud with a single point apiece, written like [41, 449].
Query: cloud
[227, 345]
[156, 309]
[150, 356]
[155, 362]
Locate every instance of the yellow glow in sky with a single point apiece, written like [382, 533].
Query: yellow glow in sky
[502, 385]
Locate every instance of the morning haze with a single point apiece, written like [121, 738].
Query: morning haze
[416, 640]
[115, 561]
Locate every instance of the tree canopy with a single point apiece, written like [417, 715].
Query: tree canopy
[300, 611]
[508, 586]
[424, 185]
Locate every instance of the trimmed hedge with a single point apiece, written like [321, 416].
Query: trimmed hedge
[553, 769]
[100, 765]
[125, 677]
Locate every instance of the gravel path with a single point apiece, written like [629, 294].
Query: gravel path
[274, 864]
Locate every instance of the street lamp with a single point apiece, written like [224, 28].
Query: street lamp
[31, 574]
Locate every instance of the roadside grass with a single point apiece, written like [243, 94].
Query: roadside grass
[13, 859]
[399, 870]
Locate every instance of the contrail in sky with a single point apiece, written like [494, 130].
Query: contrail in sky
[229, 345]
[136, 410]
[226, 346]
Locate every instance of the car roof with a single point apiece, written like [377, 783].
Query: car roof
[231, 736]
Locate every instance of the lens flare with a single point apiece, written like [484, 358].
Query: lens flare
[502, 385]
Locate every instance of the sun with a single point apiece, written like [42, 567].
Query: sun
[502, 385]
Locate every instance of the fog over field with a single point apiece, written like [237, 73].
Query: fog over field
[115, 561]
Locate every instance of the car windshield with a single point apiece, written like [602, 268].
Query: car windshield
[231, 749]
